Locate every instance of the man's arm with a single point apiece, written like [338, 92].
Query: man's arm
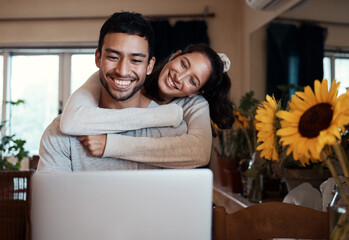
[54, 150]
[189, 150]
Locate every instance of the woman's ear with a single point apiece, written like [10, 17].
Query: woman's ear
[175, 55]
[196, 93]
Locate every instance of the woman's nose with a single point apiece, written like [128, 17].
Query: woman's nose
[180, 77]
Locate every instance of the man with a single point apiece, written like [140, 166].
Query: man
[124, 57]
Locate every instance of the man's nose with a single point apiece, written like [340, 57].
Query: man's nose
[123, 68]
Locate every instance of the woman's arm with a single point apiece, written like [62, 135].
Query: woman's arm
[186, 151]
[82, 116]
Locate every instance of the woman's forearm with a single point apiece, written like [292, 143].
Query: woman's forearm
[189, 150]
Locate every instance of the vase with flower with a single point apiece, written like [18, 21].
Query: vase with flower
[313, 122]
[245, 123]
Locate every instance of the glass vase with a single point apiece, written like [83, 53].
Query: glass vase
[255, 189]
[338, 217]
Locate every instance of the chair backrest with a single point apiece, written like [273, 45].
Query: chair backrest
[15, 204]
[270, 220]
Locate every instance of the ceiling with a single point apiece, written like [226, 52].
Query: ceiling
[329, 11]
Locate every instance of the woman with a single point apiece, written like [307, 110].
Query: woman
[194, 80]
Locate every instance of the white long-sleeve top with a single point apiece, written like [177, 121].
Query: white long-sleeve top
[83, 117]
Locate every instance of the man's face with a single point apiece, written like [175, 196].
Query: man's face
[123, 64]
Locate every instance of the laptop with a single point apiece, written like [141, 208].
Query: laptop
[144, 204]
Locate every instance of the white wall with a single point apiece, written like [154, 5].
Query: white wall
[236, 30]
[224, 29]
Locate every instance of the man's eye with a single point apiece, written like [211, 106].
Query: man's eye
[136, 60]
[113, 57]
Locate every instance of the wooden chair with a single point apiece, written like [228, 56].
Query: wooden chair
[270, 220]
[15, 205]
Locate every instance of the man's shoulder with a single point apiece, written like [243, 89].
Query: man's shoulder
[53, 129]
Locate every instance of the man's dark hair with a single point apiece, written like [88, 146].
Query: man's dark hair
[129, 23]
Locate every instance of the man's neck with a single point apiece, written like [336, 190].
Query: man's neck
[138, 100]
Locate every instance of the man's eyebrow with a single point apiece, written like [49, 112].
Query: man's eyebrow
[132, 54]
[139, 55]
[112, 50]
[196, 77]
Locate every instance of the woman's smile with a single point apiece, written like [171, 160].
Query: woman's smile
[170, 81]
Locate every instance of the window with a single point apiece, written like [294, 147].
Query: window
[79, 64]
[1, 78]
[336, 66]
[35, 80]
[44, 79]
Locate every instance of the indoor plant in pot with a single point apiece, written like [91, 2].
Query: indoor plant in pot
[237, 144]
[227, 158]
[12, 150]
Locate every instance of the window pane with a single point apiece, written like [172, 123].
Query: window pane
[35, 80]
[82, 67]
[1, 81]
[342, 73]
[327, 69]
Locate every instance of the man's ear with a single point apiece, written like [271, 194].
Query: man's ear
[176, 54]
[97, 58]
[150, 65]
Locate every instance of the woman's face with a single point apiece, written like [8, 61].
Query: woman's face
[183, 76]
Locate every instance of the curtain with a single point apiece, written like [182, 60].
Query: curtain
[311, 51]
[282, 52]
[169, 39]
[189, 32]
[163, 36]
[295, 56]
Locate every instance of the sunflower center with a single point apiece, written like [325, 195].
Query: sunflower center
[315, 119]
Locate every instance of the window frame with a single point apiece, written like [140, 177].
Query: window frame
[64, 77]
[64, 72]
[333, 55]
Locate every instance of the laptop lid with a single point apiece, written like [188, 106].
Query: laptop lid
[145, 204]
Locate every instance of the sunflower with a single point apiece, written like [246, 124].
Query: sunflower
[314, 120]
[266, 120]
[240, 120]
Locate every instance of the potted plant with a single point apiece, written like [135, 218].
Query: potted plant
[236, 144]
[12, 150]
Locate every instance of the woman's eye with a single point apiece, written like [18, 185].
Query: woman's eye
[192, 81]
[183, 64]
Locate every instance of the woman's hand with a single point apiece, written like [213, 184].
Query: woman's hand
[94, 143]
